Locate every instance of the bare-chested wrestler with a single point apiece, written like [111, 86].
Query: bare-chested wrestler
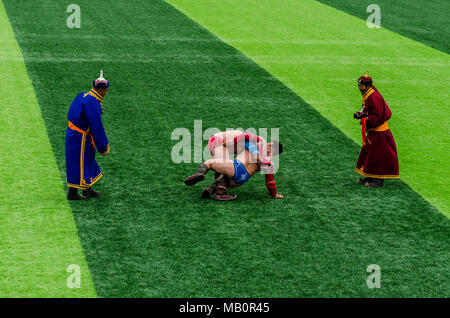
[253, 154]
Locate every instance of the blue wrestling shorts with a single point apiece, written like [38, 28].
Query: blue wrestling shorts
[241, 175]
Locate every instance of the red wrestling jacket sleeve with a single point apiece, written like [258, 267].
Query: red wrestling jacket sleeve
[271, 185]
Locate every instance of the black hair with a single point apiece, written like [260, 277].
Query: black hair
[367, 82]
[277, 148]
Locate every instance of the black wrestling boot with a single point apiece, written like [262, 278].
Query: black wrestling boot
[375, 183]
[208, 192]
[198, 176]
[73, 194]
[221, 194]
[91, 193]
[364, 180]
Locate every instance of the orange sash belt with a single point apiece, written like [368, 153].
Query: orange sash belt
[383, 127]
[73, 127]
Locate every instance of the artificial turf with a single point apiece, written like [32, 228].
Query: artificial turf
[425, 21]
[38, 236]
[293, 42]
[149, 235]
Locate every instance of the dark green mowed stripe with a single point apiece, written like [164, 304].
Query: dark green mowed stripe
[149, 235]
[425, 21]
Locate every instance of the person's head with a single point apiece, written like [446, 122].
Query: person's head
[274, 148]
[101, 85]
[364, 83]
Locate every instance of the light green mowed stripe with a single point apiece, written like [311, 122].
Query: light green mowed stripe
[319, 52]
[38, 236]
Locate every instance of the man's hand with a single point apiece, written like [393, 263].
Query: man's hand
[278, 196]
[360, 115]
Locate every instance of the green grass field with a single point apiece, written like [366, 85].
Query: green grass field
[169, 64]
[38, 236]
[296, 47]
[427, 24]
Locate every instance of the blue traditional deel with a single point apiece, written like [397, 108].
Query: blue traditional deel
[85, 136]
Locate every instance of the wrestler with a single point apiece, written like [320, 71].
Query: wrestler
[238, 171]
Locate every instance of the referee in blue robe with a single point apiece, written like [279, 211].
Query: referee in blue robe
[84, 137]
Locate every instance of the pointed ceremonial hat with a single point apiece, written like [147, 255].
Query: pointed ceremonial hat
[101, 82]
[365, 79]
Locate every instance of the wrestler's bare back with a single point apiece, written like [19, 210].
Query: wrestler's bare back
[228, 147]
[228, 139]
[249, 161]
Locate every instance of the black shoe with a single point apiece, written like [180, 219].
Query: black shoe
[375, 183]
[208, 192]
[73, 195]
[91, 193]
[364, 180]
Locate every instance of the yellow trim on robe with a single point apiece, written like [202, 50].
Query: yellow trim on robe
[76, 186]
[378, 176]
[366, 95]
[106, 152]
[96, 95]
[84, 187]
[83, 141]
[95, 180]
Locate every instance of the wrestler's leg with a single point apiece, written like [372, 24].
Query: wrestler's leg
[199, 175]
[220, 152]
[220, 156]
[227, 170]
[224, 167]
[222, 191]
[208, 192]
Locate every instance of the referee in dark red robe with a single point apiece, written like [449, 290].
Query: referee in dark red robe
[378, 158]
